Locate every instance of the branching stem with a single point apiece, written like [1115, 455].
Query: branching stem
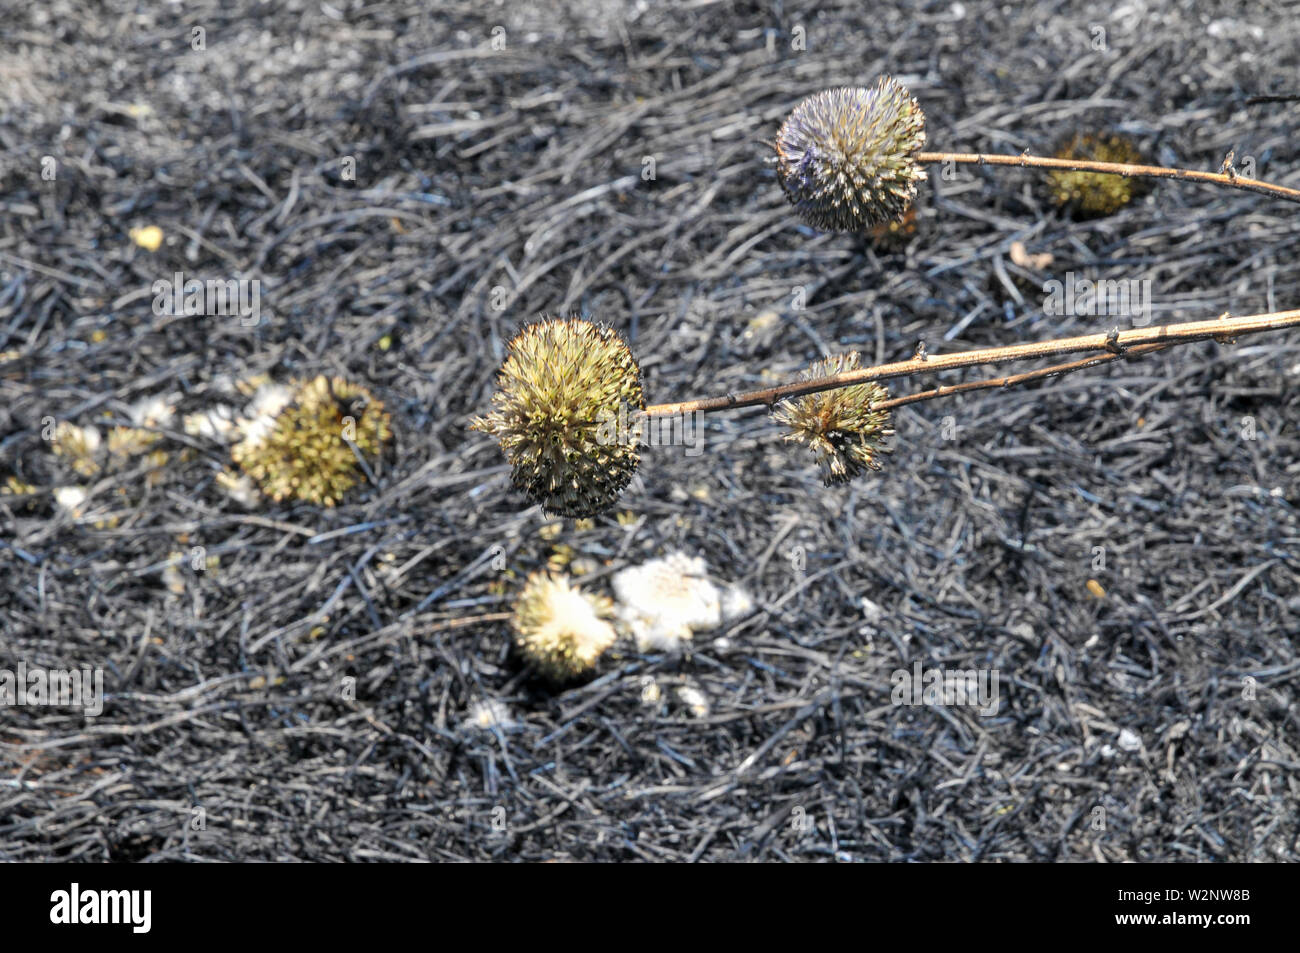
[1107, 345]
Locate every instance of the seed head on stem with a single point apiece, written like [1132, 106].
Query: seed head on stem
[843, 427]
[562, 383]
[846, 157]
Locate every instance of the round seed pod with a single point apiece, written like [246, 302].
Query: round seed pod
[563, 415]
[845, 157]
[843, 427]
[305, 450]
[559, 628]
[1095, 194]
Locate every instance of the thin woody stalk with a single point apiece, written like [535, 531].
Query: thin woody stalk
[1229, 179]
[848, 159]
[992, 383]
[1114, 341]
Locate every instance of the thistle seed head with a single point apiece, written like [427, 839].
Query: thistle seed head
[565, 386]
[305, 450]
[843, 427]
[846, 157]
[559, 628]
[1095, 194]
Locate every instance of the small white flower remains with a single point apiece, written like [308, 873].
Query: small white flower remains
[70, 499]
[261, 412]
[153, 412]
[664, 602]
[488, 714]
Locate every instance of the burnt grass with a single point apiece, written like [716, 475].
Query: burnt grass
[501, 172]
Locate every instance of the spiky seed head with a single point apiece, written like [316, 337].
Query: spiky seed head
[559, 628]
[563, 415]
[1095, 194]
[846, 157]
[305, 450]
[843, 427]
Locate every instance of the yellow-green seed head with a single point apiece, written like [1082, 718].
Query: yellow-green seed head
[306, 451]
[559, 628]
[561, 393]
[1095, 194]
[846, 157]
[843, 427]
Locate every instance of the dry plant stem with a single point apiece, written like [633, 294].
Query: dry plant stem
[1114, 168]
[1167, 334]
[1011, 380]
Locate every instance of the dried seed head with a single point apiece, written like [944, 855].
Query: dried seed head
[843, 427]
[561, 393]
[559, 628]
[1095, 194]
[305, 450]
[846, 157]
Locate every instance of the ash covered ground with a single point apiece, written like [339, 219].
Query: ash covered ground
[498, 156]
